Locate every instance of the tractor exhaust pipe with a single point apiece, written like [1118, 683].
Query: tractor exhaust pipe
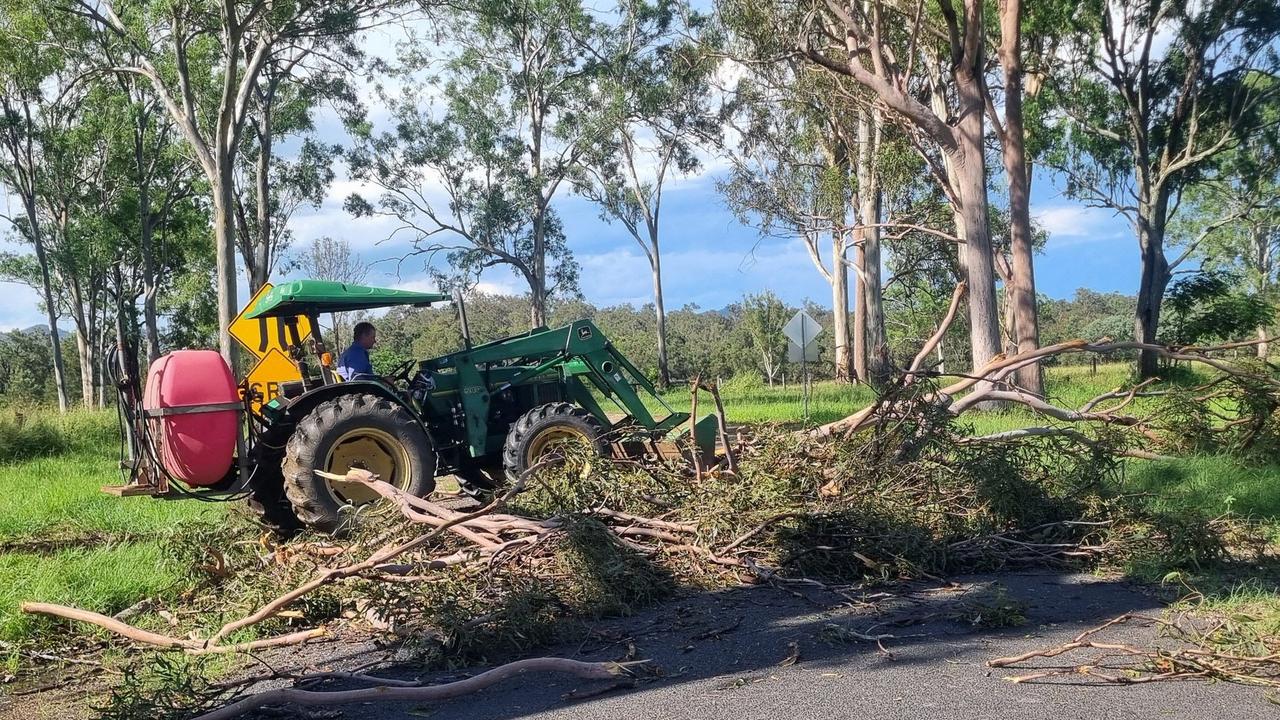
[462, 318]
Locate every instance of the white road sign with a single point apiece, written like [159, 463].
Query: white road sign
[802, 329]
[809, 354]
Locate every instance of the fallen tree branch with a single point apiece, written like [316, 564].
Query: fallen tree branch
[932, 343]
[990, 384]
[431, 693]
[146, 637]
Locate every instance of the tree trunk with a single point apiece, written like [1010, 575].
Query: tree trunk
[100, 369]
[538, 264]
[660, 316]
[259, 266]
[146, 238]
[50, 307]
[859, 317]
[1155, 279]
[875, 345]
[1008, 321]
[224, 229]
[840, 307]
[83, 343]
[84, 336]
[150, 283]
[1262, 259]
[1021, 294]
[970, 170]
[537, 306]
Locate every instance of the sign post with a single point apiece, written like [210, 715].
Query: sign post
[802, 330]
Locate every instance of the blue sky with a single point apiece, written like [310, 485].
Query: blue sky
[709, 258]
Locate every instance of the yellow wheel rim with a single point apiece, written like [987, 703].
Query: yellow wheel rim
[373, 450]
[555, 441]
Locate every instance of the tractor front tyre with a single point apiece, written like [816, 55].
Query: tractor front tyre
[547, 431]
[364, 431]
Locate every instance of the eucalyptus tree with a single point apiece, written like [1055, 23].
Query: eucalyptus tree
[658, 104]
[294, 84]
[796, 164]
[470, 172]
[791, 176]
[32, 108]
[1230, 221]
[924, 67]
[892, 51]
[459, 188]
[161, 177]
[204, 60]
[79, 186]
[763, 316]
[76, 183]
[333, 259]
[1153, 92]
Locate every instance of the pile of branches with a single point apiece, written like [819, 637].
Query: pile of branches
[1235, 411]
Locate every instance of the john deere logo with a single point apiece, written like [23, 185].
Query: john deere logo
[584, 333]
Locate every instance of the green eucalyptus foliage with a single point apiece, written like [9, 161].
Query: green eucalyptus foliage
[1209, 307]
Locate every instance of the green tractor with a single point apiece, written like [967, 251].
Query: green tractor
[484, 414]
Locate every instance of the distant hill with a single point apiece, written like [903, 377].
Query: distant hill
[43, 329]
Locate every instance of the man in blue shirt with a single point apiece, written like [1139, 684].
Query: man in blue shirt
[355, 362]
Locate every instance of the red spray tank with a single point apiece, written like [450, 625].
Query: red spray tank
[191, 403]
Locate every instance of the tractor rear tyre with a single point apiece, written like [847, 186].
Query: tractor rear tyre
[548, 429]
[365, 431]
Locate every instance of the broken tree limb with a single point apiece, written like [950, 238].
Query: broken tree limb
[431, 693]
[722, 423]
[932, 343]
[1072, 433]
[693, 427]
[991, 383]
[146, 637]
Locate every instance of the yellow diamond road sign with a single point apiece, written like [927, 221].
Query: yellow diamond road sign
[263, 381]
[262, 335]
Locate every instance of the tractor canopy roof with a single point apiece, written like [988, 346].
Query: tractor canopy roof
[313, 297]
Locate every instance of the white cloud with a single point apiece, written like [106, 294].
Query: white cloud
[1069, 225]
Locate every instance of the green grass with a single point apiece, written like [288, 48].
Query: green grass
[63, 540]
[1213, 484]
[59, 498]
[105, 579]
[748, 400]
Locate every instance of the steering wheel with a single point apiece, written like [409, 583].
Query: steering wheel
[403, 371]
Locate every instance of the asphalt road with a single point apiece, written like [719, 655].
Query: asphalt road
[725, 657]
